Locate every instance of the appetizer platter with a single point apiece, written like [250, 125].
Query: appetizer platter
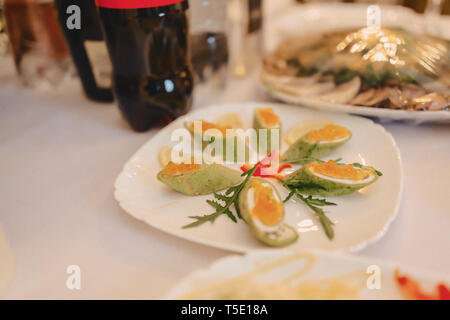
[334, 184]
[385, 72]
[306, 275]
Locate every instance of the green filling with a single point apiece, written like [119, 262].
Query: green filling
[206, 180]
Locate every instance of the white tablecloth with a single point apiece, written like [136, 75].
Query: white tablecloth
[60, 155]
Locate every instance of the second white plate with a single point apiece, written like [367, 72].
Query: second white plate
[321, 18]
[359, 218]
[317, 273]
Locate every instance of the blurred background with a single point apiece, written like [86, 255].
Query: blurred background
[42, 49]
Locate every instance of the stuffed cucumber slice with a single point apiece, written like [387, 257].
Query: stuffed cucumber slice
[260, 205]
[209, 132]
[330, 178]
[198, 179]
[265, 118]
[317, 144]
[200, 131]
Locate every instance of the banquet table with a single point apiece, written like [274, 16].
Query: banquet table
[60, 154]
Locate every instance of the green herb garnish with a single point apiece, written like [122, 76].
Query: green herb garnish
[229, 198]
[379, 173]
[306, 71]
[359, 165]
[314, 204]
[344, 75]
[302, 70]
[304, 186]
[310, 159]
[373, 78]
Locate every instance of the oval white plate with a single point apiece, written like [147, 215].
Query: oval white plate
[319, 18]
[359, 218]
[327, 265]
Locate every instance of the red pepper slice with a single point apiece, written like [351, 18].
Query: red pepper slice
[411, 289]
[270, 164]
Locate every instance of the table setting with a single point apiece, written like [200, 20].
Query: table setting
[341, 113]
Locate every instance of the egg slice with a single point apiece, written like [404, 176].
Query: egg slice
[261, 207]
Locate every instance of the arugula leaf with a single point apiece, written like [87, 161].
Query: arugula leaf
[291, 194]
[359, 165]
[238, 210]
[327, 224]
[311, 159]
[320, 202]
[295, 184]
[314, 204]
[228, 198]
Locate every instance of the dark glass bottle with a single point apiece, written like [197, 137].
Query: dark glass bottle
[148, 45]
[87, 46]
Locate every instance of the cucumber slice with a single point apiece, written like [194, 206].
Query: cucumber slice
[273, 129]
[233, 141]
[204, 180]
[304, 151]
[307, 182]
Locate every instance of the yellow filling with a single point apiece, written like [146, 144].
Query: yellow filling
[208, 125]
[332, 169]
[328, 133]
[268, 116]
[267, 208]
[173, 169]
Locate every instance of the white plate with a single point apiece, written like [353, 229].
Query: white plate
[319, 18]
[327, 265]
[415, 117]
[360, 218]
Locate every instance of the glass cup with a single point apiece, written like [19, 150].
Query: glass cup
[246, 18]
[209, 41]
